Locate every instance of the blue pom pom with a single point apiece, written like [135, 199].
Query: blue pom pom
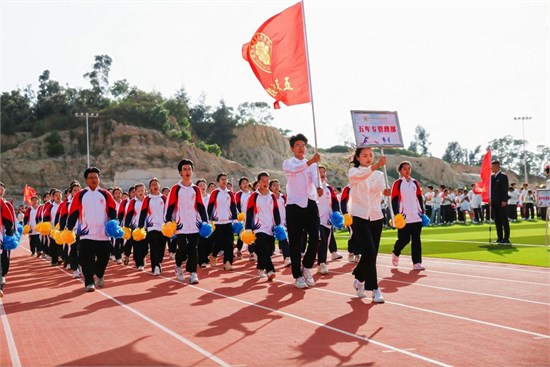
[205, 230]
[10, 242]
[17, 236]
[19, 229]
[113, 229]
[280, 233]
[337, 220]
[237, 227]
[425, 220]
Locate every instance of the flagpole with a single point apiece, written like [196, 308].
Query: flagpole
[309, 74]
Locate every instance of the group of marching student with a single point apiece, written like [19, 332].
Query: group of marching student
[199, 221]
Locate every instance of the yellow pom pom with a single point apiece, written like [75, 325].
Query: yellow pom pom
[213, 226]
[169, 229]
[348, 220]
[45, 228]
[139, 234]
[400, 221]
[68, 237]
[127, 233]
[57, 226]
[52, 232]
[248, 237]
[57, 237]
[38, 226]
[240, 217]
[26, 229]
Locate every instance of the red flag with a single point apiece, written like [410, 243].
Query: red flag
[484, 186]
[277, 55]
[28, 193]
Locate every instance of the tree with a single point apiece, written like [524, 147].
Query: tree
[120, 89]
[54, 145]
[454, 153]
[420, 141]
[509, 152]
[99, 79]
[51, 97]
[16, 111]
[223, 124]
[254, 113]
[473, 156]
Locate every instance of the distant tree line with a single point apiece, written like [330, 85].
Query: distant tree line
[51, 108]
[507, 150]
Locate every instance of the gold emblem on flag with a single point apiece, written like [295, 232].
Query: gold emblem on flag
[260, 51]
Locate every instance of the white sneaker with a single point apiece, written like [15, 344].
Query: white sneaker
[193, 278]
[67, 267]
[213, 260]
[357, 258]
[157, 271]
[351, 258]
[323, 268]
[287, 262]
[336, 255]
[100, 282]
[227, 266]
[220, 253]
[179, 273]
[270, 276]
[90, 288]
[141, 268]
[253, 257]
[308, 277]
[359, 288]
[4, 281]
[261, 274]
[300, 283]
[394, 259]
[377, 296]
[76, 274]
[172, 256]
[418, 266]
[113, 258]
[119, 261]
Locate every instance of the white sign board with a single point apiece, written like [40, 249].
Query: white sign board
[543, 198]
[376, 129]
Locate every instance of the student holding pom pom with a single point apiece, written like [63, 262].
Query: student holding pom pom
[406, 199]
[95, 210]
[8, 234]
[186, 210]
[366, 184]
[263, 217]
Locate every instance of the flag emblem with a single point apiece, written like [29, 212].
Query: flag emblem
[260, 51]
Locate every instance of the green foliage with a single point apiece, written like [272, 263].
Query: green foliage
[420, 141]
[210, 148]
[16, 111]
[337, 149]
[254, 113]
[54, 145]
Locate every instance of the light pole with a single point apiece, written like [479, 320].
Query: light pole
[87, 115]
[523, 118]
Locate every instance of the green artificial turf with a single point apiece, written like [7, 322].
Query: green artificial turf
[471, 242]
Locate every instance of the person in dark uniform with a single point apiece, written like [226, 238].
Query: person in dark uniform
[498, 202]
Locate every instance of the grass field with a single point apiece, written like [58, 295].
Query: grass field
[471, 242]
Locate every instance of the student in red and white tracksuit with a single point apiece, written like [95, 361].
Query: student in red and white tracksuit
[70, 251]
[262, 215]
[131, 220]
[222, 210]
[31, 218]
[406, 199]
[152, 219]
[241, 199]
[275, 188]
[51, 216]
[8, 224]
[92, 207]
[327, 203]
[186, 208]
[205, 244]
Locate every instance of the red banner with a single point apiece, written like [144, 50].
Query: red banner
[484, 186]
[28, 193]
[277, 55]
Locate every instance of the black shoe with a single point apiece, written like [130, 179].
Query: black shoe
[506, 242]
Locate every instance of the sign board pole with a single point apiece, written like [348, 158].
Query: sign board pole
[543, 201]
[387, 187]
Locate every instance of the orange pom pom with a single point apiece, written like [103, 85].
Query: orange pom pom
[248, 237]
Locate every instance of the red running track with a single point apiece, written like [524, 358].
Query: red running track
[456, 313]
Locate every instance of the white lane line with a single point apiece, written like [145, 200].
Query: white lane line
[454, 290]
[12, 348]
[319, 324]
[170, 332]
[483, 265]
[509, 328]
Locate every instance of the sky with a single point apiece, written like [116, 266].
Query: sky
[461, 69]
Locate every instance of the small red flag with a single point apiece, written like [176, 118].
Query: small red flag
[277, 55]
[484, 186]
[28, 193]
